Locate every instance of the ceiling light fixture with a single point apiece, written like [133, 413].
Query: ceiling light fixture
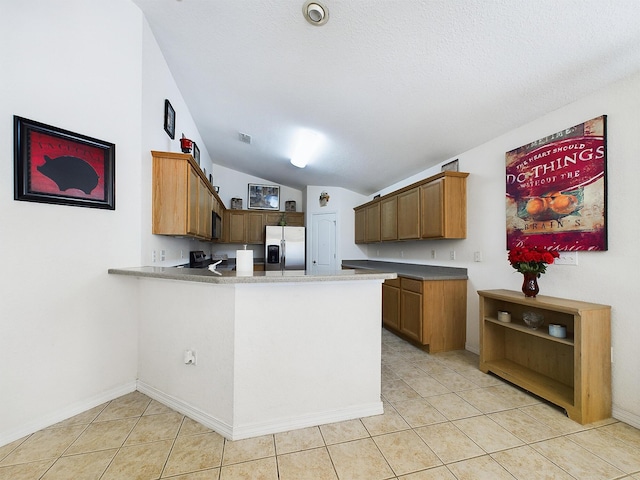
[315, 13]
[307, 145]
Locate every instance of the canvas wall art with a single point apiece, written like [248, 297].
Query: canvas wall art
[556, 190]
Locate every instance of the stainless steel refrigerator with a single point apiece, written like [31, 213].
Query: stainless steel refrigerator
[284, 248]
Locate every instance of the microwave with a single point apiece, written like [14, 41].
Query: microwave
[216, 226]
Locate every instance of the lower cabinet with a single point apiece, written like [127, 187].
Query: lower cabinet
[391, 303]
[431, 313]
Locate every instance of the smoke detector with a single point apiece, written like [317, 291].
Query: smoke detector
[315, 13]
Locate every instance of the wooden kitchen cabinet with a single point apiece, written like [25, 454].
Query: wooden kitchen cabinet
[443, 204]
[411, 321]
[248, 226]
[389, 219]
[391, 303]
[233, 226]
[183, 199]
[433, 208]
[432, 313]
[409, 217]
[572, 372]
[360, 218]
[372, 223]
[255, 223]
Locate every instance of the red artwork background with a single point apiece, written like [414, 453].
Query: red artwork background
[41, 144]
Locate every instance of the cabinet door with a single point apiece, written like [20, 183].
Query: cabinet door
[411, 320]
[389, 219]
[411, 314]
[409, 214]
[431, 197]
[170, 195]
[372, 223]
[391, 306]
[295, 219]
[235, 227]
[255, 228]
[205, 207]
[193, 201]
[360, 216]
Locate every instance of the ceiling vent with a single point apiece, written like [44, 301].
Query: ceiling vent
[243, 137]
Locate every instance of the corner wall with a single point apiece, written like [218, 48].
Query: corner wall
[68, 338]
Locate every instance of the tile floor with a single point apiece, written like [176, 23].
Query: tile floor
[443, 420]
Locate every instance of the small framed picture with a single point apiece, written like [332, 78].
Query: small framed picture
[290, 206]
[169, 119]
[196, 153]
[52, 165]
[236, 204]
[450, 167]
[264, 197]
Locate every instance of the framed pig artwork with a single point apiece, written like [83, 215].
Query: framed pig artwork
[57, 166]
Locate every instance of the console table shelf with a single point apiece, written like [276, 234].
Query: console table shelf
[572, 372]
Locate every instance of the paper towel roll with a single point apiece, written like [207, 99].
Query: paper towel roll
[244, 261]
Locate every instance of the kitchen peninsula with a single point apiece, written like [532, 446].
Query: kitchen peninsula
[274, 351]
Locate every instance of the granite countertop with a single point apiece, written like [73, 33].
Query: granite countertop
[203, 275]
[410, 270]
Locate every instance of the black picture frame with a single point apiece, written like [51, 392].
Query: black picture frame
[452, 166]
[264, 197]
[169, 119]
[196, 153]
[52, 165]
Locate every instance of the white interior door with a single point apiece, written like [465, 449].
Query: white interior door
[323, 244]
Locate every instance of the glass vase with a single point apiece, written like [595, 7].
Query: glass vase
[530, 284]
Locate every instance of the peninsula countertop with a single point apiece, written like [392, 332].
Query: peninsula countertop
[410, 270]
[204, 275]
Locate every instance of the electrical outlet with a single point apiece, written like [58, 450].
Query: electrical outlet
[181, 254]
[401, 254]
[433, 254]
[567, 258]
[153, 256]
[163, 255]
[477, 256]
[452, 255]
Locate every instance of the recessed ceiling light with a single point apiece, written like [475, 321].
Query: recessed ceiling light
[315, 13]
[307, 144]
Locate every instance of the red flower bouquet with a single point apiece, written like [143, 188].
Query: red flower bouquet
[531, 259]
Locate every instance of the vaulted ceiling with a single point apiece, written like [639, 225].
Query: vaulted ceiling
[393, 86]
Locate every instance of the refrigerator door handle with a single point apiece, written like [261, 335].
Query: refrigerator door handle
[283, 249]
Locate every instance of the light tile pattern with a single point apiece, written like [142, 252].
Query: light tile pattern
[443, 420]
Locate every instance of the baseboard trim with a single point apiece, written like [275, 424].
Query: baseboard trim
[65, 413]
[187, 409]
[258, 429]
[626, 417]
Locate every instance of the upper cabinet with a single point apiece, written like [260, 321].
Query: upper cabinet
[247, 226]
[432, 208]
[183, 198]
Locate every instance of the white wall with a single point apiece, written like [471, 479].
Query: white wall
[68, 329]
[603, 277]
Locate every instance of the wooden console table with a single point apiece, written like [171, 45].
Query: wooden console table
[572, 372]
